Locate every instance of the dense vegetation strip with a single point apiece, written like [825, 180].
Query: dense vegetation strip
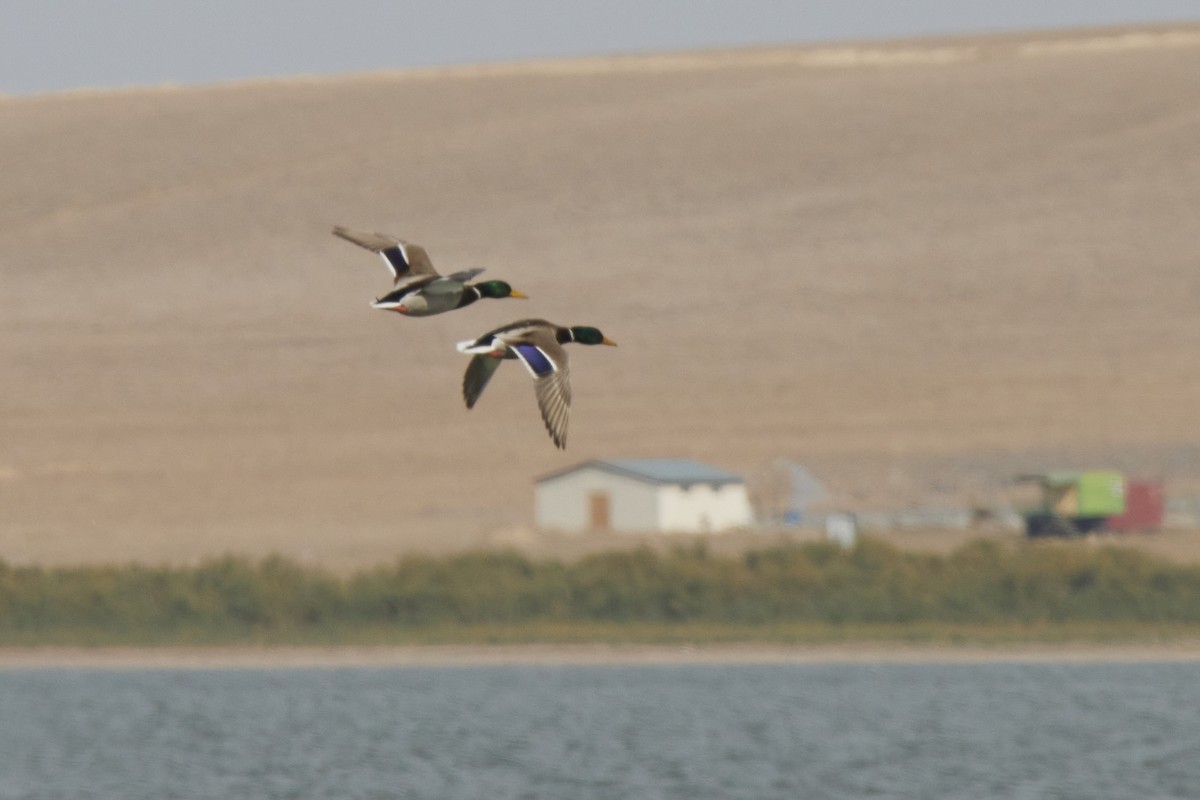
[873, 584]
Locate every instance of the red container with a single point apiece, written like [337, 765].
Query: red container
[1145, 504]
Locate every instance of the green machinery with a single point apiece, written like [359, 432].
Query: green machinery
[1074, 503]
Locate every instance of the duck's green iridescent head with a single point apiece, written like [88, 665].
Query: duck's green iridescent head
[586, 335]
[497, 289]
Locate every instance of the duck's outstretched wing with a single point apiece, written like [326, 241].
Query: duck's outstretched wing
[465, 274]
[404, 259]
[554, 401]
[546, 361]
[476, 378]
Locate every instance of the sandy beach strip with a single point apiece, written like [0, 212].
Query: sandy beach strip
[56, 657]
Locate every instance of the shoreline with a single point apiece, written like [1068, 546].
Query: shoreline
[565, 655]
[869, 52]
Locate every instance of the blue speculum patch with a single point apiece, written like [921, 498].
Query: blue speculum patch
[535, 358]
[396, 258]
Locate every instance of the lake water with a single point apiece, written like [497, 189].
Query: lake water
[801, 732]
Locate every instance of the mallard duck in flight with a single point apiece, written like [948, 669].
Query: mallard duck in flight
[538, 344]
[419, 290]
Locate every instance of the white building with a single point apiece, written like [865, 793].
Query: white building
[642, 494]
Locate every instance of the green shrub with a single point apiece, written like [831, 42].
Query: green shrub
[873, 583]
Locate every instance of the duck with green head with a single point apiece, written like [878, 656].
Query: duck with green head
[538, 345]
[419, 290]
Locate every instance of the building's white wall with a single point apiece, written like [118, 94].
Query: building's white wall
[701, 508]
[562, 503]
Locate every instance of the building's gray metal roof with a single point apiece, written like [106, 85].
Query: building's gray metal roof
[656, 470]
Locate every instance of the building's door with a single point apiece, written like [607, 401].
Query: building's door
[599, 511]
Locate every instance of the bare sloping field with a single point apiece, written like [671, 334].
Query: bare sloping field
[914, 267]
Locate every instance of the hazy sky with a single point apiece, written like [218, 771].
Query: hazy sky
[47, 45]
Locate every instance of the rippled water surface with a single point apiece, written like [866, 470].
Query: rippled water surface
[1088, 731]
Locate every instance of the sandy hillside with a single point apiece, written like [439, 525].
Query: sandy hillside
[916, 267]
